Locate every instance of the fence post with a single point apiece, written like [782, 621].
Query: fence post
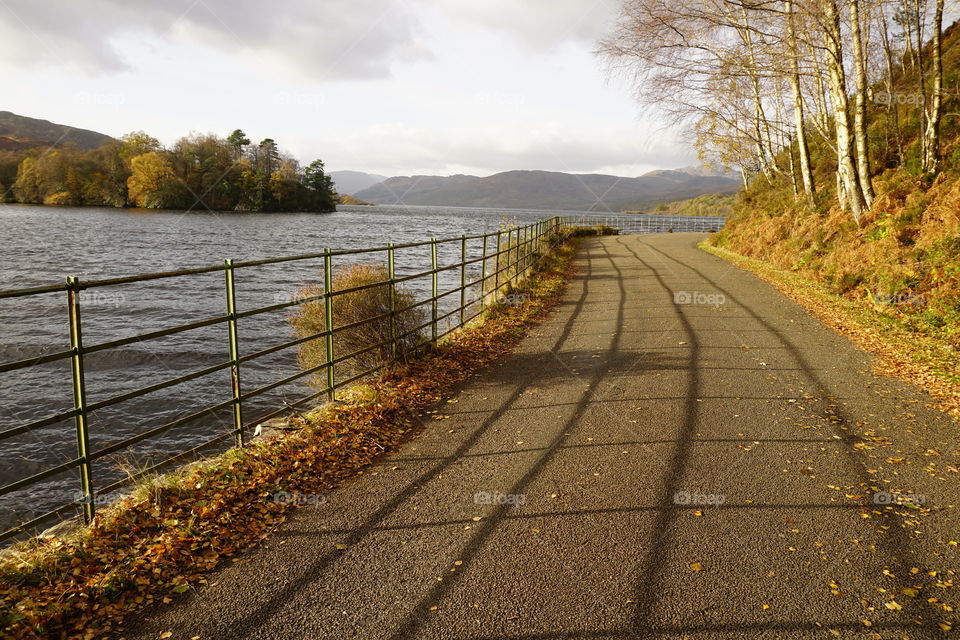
[534, 243]
[80, 398]
[508, 270]
[530, 237]
[234, 351]
[525, 259]
[515, 246]
[328, 321]
[483, 275]
[531, 244]
[496, 265]
[463, 277]
[434, 289]
[541, 226]
[543, 240]
[391, 276]
[521, 252]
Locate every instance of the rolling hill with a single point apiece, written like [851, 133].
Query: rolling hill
[354, 181]
[519, 189]
[547, 190]
[20, 132]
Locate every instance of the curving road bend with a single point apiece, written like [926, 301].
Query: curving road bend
[679, 451]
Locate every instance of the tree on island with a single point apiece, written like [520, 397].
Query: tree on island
[315, 178]
[137, 143]
[153, 183]
[238, 140]
[200, 171]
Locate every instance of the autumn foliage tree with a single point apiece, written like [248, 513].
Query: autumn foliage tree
[200, 171]
[152, 183]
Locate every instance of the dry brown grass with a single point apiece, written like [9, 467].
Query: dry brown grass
[369, 306]
[906, 247]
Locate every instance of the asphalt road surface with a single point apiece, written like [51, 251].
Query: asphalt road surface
[678, 451]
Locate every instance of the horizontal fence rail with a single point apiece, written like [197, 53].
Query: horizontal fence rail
[483, 266]
[649, 223]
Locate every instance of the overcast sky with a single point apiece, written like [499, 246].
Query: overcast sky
[396, 87]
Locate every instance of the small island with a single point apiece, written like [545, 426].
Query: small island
[346, 198]
[199, 172]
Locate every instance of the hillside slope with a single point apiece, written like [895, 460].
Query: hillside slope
[20, 132]
[904, 256]
[546, 190]
[354, 181]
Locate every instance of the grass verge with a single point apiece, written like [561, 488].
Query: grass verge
[162, 539]
[903, 352]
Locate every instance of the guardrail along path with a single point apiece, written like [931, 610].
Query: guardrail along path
[678, 451]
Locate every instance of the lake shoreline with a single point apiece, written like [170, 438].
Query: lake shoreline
[41, 205]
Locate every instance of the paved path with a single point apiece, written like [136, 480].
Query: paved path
[622, 404]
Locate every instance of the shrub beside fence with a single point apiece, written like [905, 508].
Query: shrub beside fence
[375, 322]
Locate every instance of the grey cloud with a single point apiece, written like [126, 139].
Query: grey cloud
[332, 38]
[324, 38]
[537, 23]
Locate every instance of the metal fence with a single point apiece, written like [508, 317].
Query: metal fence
[499, 259]
[649, 223]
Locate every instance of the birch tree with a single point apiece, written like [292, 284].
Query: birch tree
[748, 78]
[860, 103]
[806, 170]
[931, 135]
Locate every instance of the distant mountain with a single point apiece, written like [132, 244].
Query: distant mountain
[21, 132]
[416, 189]
[700, 170]
[546, 190]
[352, 181]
